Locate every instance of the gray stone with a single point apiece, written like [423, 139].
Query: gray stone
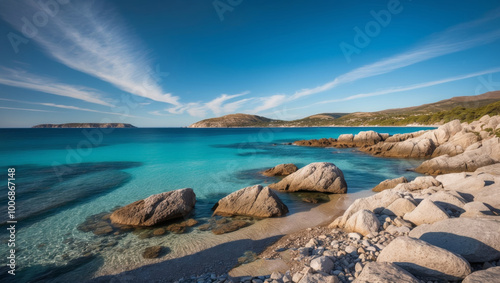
[491, 274]
[322, 263]
[281, 170]
[389, 184]
[318, 278]
[384, 272]
[423, 259]
[399, 207]
[476, 209]
[363, 222]
[254, 201]
[426, 213]
[477, 240]
[156, 209]
[319, 177]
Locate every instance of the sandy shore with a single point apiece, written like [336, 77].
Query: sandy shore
[201, 253]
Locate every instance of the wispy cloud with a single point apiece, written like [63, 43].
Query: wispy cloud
[84, 109]
[269, 102]
[217, 106]
[92, 39]
[25, 80]
[70, 107]
[454, 39]
[406, 88]
[24, 109]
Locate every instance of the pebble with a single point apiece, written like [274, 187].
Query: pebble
[355, 236]
[350, 249]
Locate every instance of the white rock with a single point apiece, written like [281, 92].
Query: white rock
[476, 209]
[477, 240]
[425, 260]
[363, 222]
[322, 263]
[426, 213]
[384, 272]
[491, 274]
[399, 207]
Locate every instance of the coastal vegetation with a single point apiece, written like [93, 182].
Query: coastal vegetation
[464, 108]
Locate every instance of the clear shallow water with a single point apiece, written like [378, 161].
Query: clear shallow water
[66, 175]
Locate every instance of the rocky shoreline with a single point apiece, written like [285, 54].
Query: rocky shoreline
[442, 228]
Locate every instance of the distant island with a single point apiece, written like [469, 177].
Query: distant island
[85, 125]
[464, 108]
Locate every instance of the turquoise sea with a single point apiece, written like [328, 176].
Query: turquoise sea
[64, 176]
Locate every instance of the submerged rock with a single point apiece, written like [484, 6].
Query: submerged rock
[156, 208]
[67, 193]
[319, 177]
[281, 170]
[152, 252]
[229, 227]
[254, 201]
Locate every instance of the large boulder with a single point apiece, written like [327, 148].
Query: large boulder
[156, 209]
[456, 145]
[403, 137]
[412, 148]
[476, 209]
[317, 177]
[491, 274]
[478, 186]
[477, 240]
[400, 207]
[367, 138]
[345, 138]
[420, 183]
[281, 170]
[420, 145]
[426, 213]
[363, 222]
[425, 260]
[389, 184]
[449, 200]
[384, 272]
[490, 169]
[468, 161]
[373, 203]
[255, 201]
[445, 132]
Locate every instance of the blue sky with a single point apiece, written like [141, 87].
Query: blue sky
[171, 63]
